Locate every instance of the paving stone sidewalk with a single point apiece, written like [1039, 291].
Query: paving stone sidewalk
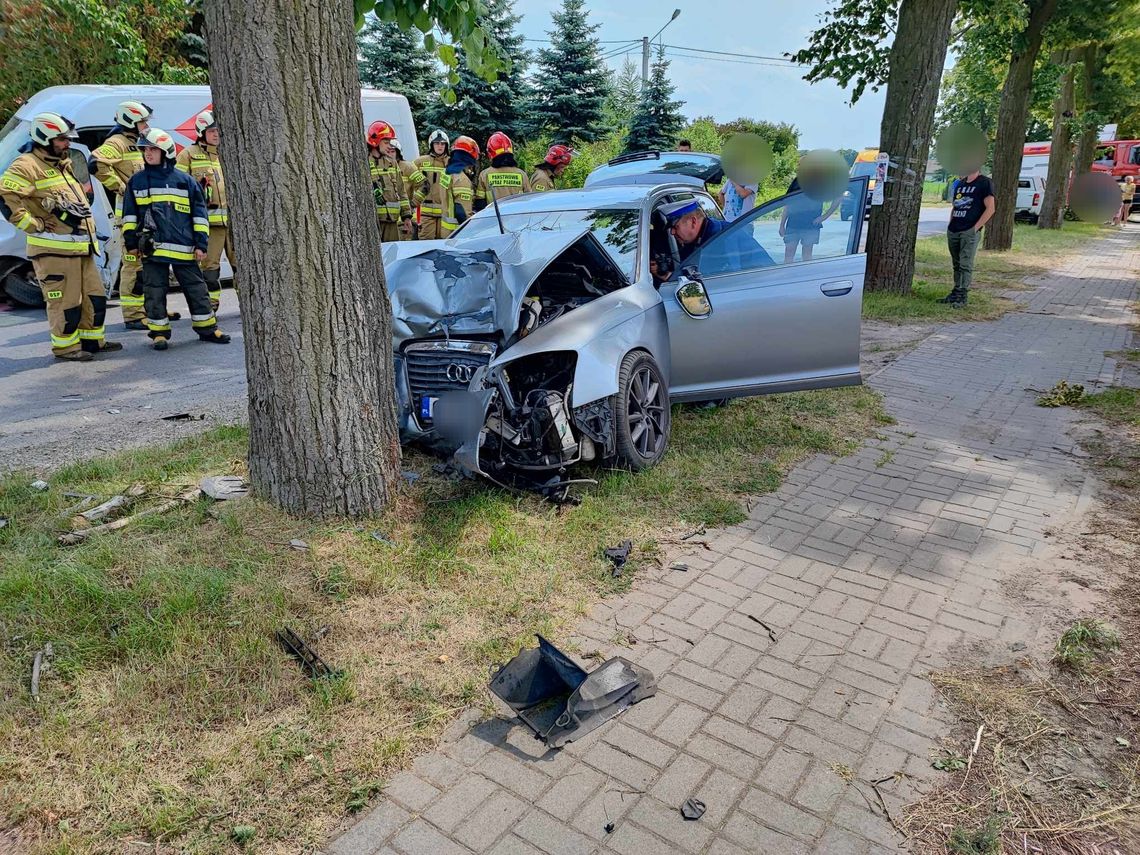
[871, 569]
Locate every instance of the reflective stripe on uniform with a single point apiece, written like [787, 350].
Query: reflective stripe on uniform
[131, 300]
[65, 340]
[56, 180]
[66, 244]
[93, 335]
[12, 181]
[431, 211]
[199, 321]
[25, 222]
[219, 217]
[175, 251]
[202, 224]
[145, 192]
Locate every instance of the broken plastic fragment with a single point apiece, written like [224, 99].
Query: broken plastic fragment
[298, 544]
[619, 555]
[224, 487]
[39, 485]
[693, 809]
[559, 701]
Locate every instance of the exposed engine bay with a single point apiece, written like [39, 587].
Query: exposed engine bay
[511, 420]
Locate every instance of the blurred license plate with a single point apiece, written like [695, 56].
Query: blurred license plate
[427, 407]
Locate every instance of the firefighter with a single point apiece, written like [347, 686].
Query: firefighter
[393, 210]
[45, 200]
[201, 162]
[408, 172]
[429, 195]
[503, 175]
[558, 157]
[113, 163]
[456, 185]
[165, 221]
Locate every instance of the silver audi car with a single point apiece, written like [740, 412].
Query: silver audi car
[536, 338]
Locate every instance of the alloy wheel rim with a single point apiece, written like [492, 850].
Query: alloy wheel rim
[646, 413]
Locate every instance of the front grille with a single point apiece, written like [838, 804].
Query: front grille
[441, 366]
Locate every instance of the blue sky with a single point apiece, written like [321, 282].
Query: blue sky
[726, 89]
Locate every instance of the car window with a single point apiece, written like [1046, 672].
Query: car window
[710, 208]
[13, 135]
[1023, 182]
[1134, 157]
[79, 165]
[863, 169]
[617, 229]
[706, 167]
[790, 230]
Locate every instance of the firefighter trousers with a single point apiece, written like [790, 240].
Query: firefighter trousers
[130, 291]
[212, 266]
[155, 276]
[429, 228]
[390, 232]
[76, 302]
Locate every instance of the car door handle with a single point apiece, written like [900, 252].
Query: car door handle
[836, 289]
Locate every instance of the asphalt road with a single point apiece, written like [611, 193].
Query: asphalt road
[52, 412]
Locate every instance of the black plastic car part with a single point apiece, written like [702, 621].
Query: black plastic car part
[560, 701]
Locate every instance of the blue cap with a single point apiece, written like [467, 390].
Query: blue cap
[675, 210]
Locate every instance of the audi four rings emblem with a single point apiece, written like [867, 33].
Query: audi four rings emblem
[458, 373]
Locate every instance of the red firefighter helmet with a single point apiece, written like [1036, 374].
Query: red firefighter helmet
[499, 143]
[559, 155]
[466, 144]
[380, 131]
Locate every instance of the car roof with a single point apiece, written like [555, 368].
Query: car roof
[604, 196]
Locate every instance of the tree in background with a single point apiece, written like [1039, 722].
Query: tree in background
[54, 42]
[570, 95]
[657, 122]
[703, 134]
[622, 96]
[850, 47]
[396, 60]
[780, 135]
[483, 106]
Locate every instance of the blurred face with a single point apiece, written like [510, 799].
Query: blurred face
[152, 155]
[60, 145]
[438, 147]
[559, 169]
[688, 227]
[142, 127]
[212, 136]
[385, 148]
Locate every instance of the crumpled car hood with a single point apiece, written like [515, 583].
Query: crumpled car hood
[461, 287]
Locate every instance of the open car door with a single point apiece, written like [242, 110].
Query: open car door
[783, 286]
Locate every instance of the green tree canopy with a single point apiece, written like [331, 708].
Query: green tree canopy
[657, 122]
[623, 94]
[396, 60]
[570, 94]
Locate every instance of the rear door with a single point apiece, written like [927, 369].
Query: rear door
[786, 303]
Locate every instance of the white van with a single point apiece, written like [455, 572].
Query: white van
[92, 108]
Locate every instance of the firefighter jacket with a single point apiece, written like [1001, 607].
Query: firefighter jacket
[458, 193]
[429, 191]
[392, 203]
[36, 179]
[168, 206]
[115, 161]
[506, 180]
[408, 173]
[202, 163]
[542, 179]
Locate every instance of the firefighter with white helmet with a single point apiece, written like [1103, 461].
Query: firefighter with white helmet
[201, 161]
[113, 163]
[165, 222]
[45, 200]
[393, 210]
[429, 194]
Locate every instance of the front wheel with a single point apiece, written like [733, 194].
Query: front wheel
[23, 290]
[642, 410]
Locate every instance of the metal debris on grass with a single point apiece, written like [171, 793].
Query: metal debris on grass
[185, 417]
[311, 663]
[619, 555]
[41, 664]
[76, 537]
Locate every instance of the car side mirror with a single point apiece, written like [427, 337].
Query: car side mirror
[692, 296]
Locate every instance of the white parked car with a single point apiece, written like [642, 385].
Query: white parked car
[1030, 193]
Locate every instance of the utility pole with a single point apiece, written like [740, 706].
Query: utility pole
[644, 61]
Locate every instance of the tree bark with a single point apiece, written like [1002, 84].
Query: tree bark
[916, 60]
[317, 321]
[1060, 150]
[1086, 143]
[1013, 116]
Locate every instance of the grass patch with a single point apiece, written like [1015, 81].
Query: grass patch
[171, 717]
[1034, 252]
[1118, 405]
[976, 841]
[1083, 642]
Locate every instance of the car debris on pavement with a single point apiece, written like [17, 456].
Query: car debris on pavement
[560, 701]
[619, 555]
[692, 809]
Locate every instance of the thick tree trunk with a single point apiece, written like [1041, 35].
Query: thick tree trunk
[1086, 143]
[1060, 150]
[318, 342]
[916, 61]
[1013, 116]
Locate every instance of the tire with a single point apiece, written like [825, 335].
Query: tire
[23, 291]
[641, 410]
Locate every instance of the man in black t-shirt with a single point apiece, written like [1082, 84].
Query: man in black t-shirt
[973, 202]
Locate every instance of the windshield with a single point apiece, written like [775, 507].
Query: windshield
[617, 229]
[863, 169]
[705, 167]
[12, 136]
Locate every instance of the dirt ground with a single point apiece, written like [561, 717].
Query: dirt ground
[883, 343]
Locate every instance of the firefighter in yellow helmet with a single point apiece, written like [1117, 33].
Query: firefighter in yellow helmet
[113, 163]
[429, 192]
[47, 202]
[503, 175]
[201, 160]
[456, 186]
[393, 210]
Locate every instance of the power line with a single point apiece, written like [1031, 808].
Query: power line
[783, 60]
[732, 61]
[600, 41]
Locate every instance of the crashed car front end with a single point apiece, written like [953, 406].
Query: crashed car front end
[485, 371]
